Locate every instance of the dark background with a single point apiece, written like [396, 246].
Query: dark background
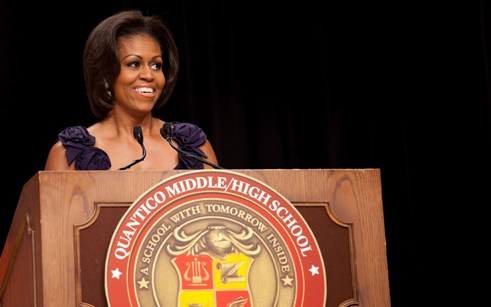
[335, 84]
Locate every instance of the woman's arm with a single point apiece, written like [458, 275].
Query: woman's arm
[57, 160]
[208, 150]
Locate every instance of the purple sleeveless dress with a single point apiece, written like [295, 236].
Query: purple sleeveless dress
[80, 147]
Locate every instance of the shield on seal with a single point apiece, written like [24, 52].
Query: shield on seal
[213, 282]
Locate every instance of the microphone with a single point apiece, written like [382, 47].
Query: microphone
[166, 132]
[138, 134]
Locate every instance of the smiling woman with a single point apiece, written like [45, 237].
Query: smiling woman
[130, 67]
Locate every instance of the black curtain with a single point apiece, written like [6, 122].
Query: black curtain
[395, 86]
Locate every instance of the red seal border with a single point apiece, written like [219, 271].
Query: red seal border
[309, 269]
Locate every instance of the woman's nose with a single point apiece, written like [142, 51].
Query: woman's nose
[146, 73]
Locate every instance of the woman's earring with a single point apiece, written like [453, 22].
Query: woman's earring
[108, 92]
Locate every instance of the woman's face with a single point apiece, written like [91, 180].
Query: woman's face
[141, 80]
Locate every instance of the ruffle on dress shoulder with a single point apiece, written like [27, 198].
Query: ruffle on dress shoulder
[80, 147]
[189, 137]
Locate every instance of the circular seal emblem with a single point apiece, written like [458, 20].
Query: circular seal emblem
[213, 238]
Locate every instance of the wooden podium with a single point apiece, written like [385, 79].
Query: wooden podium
[55, 251]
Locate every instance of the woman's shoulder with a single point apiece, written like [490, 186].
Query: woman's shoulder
[76, 135]
[188, 134]
[80, 149]
[190, 138]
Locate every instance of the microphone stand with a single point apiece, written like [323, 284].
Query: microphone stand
[137, 133]
[166, 131]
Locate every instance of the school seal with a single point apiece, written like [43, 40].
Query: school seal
[213, 238]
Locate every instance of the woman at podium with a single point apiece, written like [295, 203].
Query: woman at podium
[130, 69]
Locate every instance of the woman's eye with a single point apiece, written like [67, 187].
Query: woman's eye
[156, 66]
[134, 64]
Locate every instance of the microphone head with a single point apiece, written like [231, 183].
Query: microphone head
[166, 131]
[138, 134]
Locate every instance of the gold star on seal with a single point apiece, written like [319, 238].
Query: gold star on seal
[143, 283]
[287, 281]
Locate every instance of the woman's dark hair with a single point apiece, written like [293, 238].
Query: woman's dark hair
[101, 63]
